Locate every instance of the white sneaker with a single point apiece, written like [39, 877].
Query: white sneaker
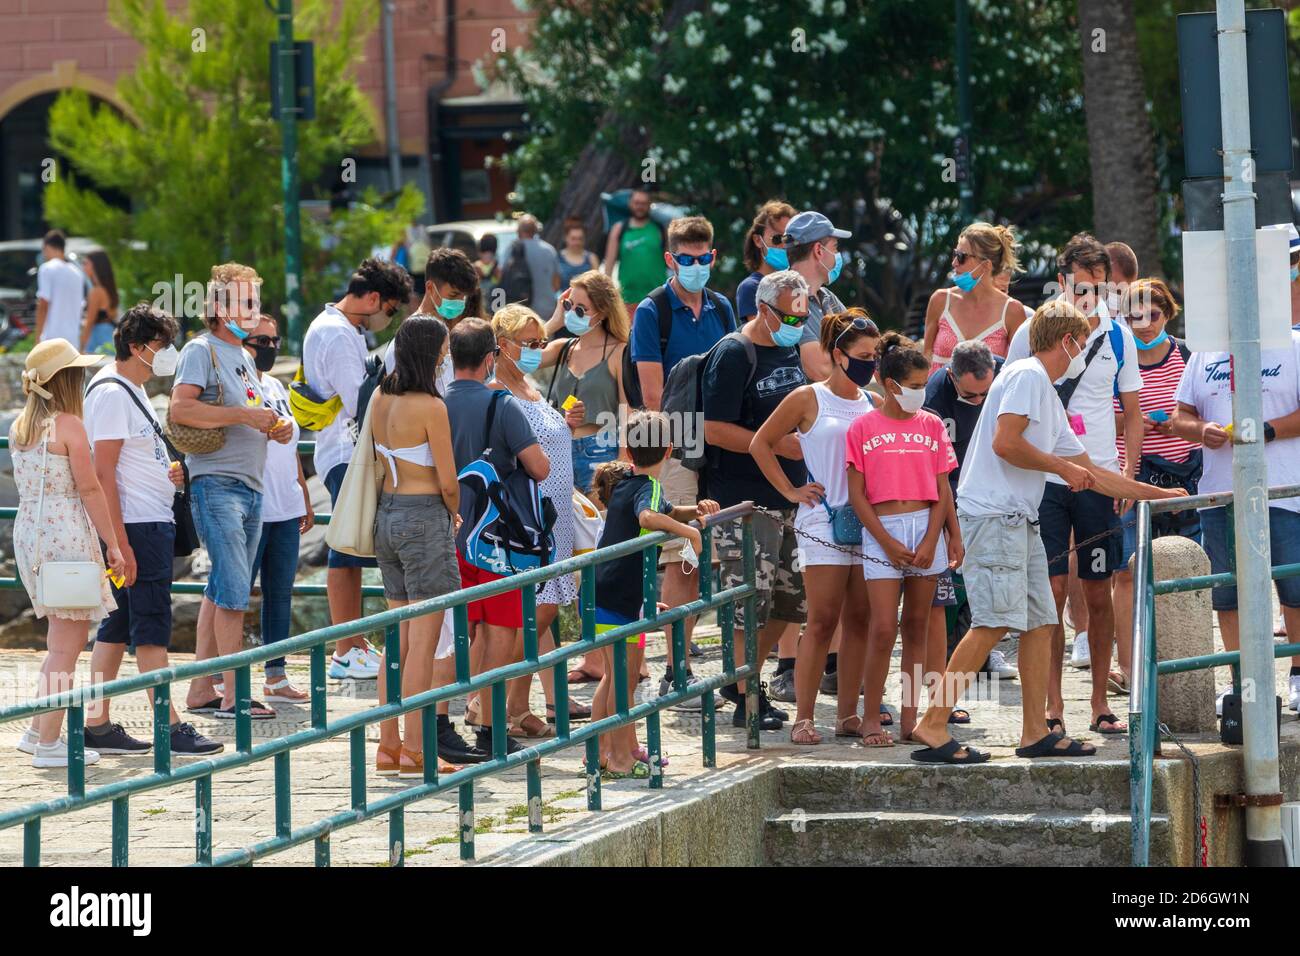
[1294, 684]
[28, 741]
[1080, 656]
[998, 664]
[373, 655]
[56, 755]
[1218, 702]
[355, 664]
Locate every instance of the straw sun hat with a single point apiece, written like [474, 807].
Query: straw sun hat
[48, 359]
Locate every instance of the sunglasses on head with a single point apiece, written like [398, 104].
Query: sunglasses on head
[684, 259]
[578, 310]
[859, 324]
[961, 257]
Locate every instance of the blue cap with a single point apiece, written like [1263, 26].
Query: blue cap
[813, 227]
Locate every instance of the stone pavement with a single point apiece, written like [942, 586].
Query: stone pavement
[161, 821]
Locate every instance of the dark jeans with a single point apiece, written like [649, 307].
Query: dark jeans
[277, 560]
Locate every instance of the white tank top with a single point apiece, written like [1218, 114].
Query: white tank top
[823, 445]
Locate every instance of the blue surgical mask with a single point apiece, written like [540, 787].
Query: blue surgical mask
[530, 360]
[1159, 340]
[577, 325]
[965, 281]
[834, 272]
[787, 335]
[1295, 273]
[694, 277]
[236, 331]
[451, 309]
[776, 258]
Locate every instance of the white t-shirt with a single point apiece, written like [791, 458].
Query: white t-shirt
[143, 487]
[281, 494]
[63, 286]
[993, 486]
[1094, 398]
[334, 359]
[1206, 385]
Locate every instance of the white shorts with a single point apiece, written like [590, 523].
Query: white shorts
[446, 637]
[815, 522]
[908, 529]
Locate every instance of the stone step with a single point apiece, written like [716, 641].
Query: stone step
[1010, 785]
[912, 838]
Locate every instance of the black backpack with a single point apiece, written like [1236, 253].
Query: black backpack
[516, 280]
[684, 395]
[374, 375]
[664, 309]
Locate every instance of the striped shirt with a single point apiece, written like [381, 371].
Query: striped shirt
[1159, 383]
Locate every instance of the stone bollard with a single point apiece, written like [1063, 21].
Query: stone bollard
[1184, 628]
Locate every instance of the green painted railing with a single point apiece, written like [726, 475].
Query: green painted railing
[280, 749]
[1144, 722]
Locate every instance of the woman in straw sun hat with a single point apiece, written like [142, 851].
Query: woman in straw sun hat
[58, 499]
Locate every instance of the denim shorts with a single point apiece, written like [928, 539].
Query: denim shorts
[337, 559]
[1129, 524]
[415, 544]
[143, 615]
[1284, 540]
[228, 515]
[588, 453]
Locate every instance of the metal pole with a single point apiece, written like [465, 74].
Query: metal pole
[388, 9]
[1139, 755]
[965, 179]
[1249, 472]
[286, 76]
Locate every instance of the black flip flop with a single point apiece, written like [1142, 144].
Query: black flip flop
[574, 717]
[886, 718]
[1047, 747]
[948, 754]
[954, 719]
[1095, 726]
[256, 711]
[211, 707]
[1056, 725]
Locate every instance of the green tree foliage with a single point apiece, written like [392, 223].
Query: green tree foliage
[846, 106]
[199, 155]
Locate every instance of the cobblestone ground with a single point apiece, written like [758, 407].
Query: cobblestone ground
[161, 821]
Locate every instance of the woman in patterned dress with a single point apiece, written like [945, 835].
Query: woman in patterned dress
[58, 498]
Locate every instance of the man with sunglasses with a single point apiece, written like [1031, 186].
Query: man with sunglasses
[763, 357]
[694, 319]
[812, 246]
[334, 363]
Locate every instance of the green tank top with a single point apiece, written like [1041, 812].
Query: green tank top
[640, 260]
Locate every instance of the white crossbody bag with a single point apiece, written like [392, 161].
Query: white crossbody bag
[65, 585]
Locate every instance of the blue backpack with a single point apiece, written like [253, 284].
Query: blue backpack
[505, 522]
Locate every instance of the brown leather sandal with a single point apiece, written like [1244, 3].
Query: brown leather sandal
[415, 769]
[529, 726]
[804, 734]
[388, 762]
[842, 729]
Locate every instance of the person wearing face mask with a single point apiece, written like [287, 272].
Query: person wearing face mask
[450, 292]
[635, 249]
[975, 308]
[334, 365]
[812, 246]
[133, 464]
[765, 253]
[745, 378]
[1022, 435]
[1105, 368]
[1167, 459]
[589, 367]
[217, 386]
[286, 515]
[1293, 247]
[899, 457]
[821, 415]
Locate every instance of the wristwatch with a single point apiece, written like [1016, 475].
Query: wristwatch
[1269, 432]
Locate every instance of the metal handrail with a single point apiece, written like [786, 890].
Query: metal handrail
[201, 771]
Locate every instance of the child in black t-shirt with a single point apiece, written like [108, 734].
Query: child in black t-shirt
[636, 507]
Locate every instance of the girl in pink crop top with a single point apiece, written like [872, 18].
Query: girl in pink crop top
[898, 459]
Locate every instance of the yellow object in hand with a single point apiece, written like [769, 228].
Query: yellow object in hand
[569, 402]
[1228, 428]
[117, 579]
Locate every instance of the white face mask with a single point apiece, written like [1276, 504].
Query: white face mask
[164, 361]
[1077, 364]
[910, 399]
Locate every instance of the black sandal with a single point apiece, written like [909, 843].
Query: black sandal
[1056, 726]
[1049, 747]
[1096, 727]
[577, 712]
[963, 719]
[256, 711]
[886, 718]
[211, 707]
[948, 754]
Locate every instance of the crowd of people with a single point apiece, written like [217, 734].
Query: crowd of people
[946, 493]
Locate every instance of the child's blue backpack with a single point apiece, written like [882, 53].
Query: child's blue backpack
[506, 523]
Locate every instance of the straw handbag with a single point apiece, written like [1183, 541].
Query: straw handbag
[352, 525]
[199, 441]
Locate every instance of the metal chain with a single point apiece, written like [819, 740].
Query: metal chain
[775, 516]
[1200, 842]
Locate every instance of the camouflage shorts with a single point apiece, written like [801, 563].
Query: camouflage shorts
[780, 588]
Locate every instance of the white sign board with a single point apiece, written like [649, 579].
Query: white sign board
[1205, 290]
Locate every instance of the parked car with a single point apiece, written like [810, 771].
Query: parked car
[465, 236]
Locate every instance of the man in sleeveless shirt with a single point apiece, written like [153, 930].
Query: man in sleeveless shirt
[636, 247]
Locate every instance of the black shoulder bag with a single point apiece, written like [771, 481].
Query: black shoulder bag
[187, 536]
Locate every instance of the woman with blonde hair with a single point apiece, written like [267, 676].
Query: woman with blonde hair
[589, 368]
[61, 513]
[975, 309]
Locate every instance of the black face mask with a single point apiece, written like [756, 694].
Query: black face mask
[860, 371]
[264, 357]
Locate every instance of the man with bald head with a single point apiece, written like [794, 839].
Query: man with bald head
[543, 266]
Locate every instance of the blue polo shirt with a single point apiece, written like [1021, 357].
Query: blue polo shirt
[688, 335]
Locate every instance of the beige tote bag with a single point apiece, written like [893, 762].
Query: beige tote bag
[352, 524]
